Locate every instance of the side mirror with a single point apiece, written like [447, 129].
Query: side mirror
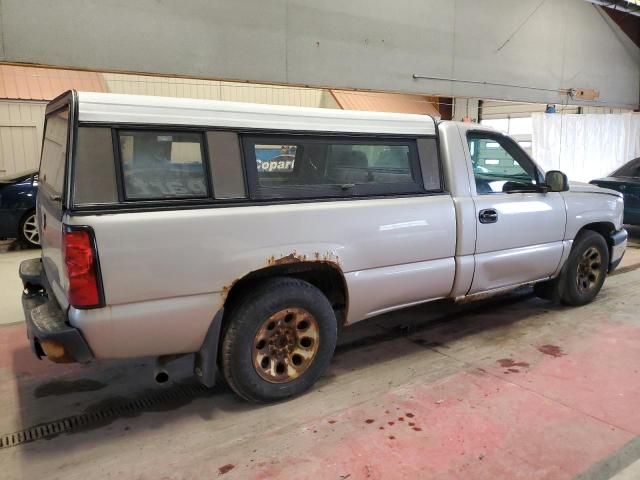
[556, 181]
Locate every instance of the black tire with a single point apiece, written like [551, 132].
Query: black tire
[572, 290]
[248, 318]
[25, 237]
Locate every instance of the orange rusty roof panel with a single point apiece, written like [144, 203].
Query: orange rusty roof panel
[386, 102]
[34, 83]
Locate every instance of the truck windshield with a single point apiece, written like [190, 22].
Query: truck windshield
[54, 151]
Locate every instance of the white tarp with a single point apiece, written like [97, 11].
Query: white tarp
[585, 146]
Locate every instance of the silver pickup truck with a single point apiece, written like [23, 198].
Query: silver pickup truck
[248, 234]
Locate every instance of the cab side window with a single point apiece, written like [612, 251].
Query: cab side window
[162, 165]
[499, 165]
[329, 166]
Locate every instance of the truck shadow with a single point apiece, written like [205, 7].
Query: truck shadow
[634, 235]
[13, 245]
[94, 396]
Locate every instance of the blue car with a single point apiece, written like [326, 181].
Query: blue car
[18, 207]
[626, 180]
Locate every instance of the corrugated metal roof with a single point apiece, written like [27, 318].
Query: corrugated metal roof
[32, 83]
[385, 102]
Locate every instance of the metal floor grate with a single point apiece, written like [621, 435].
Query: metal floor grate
[175, 393]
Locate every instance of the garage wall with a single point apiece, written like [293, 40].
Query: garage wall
[21, 121]
[21, 126]
[218, 90]
[368, 44]
[494, 109]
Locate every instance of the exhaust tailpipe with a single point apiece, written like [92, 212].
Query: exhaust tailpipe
[161, 376]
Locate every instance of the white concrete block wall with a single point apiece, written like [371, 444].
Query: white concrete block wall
[21, 124]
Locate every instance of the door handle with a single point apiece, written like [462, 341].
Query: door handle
[488, 215]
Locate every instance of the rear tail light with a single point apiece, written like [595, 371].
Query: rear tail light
[82, 270]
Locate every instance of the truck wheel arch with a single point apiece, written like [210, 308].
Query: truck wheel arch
[603, 228]
[327, 276]
[549, 289]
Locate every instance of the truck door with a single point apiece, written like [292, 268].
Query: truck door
[519, 230]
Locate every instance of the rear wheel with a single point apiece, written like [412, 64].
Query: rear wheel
[28, 232]
[279, 340]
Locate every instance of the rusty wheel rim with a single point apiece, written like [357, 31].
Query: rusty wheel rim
[285, 345]
[589, 270]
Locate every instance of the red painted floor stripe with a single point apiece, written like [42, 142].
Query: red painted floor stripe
[551, 419]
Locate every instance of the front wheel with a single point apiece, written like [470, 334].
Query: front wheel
[279, 340]
[585, 270]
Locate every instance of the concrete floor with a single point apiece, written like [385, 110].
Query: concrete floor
[510, 388]
[10, 283]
